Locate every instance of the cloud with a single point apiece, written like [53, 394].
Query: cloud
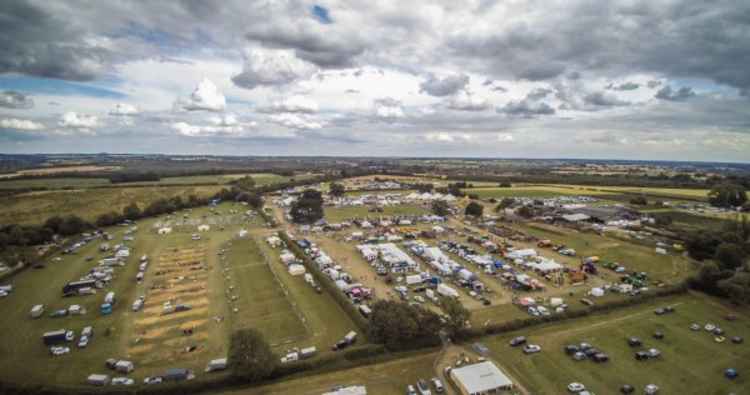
[653, 83]
[444, 137]
[505, 138]
[205, 97]
[81, 122]
[627, 86]
[296, 103]
[296, 121]
[603, 99]
[526, 109]
[445, 85]
[468, 101]
[538, 93]
[266, 67]
[681, 94]
[225, 120]
[20, 124]
[124, 109]
[15, 100]
[388, 109]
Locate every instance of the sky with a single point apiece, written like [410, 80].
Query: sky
[537, 79]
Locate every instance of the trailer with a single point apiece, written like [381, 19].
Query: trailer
[124, 366]
[37, 311]
[57, 337]
[109, 298]
[445, 290]
[307, 352]
[217, 365]
[98, 379]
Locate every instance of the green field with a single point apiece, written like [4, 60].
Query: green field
[667, 268]
[338, 214]
[691, 363]
[532, 191]
[36, 207]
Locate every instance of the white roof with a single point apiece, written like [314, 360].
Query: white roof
[481, 377]
[575, 217]
[351, 390]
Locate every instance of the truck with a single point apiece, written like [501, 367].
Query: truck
[57, 337]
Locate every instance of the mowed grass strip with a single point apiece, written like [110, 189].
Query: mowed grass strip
[262, 303]
[691, 363]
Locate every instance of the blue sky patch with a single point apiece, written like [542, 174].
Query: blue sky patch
[56, 87]
[321, 14]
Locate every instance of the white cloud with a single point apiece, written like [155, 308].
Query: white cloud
[296, 103]
[270, 67]
[505, 138]
[444, 137]
[124, 109]
[468, 101]
[20, 124]
[81, 122]
[296, 121]
[205, 97]
[388, 109]
[226, 120]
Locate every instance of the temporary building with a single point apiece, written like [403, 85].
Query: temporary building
[445, 290]
[242, 233]
[296, 270]
[480, 378]
[413, 279]
[597, 292]
[37, 311]
[164, 231]
[203, 228]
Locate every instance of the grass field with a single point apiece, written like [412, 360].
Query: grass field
[36, 207]
[684, 193]
[101, 182]
[338, 214]
[691, 363]
[388, 378]
[667, 268]
[152, 341]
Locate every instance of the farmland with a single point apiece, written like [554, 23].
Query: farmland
[692, 362]
[36, 207]
[533, 191]
[338, 214]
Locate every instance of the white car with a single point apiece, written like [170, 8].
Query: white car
[57, 351]
[438, 385]
[83, 342]
[651, 389]
[709, 327]
[153, 380]
[576, 387]
[122, 381]
[531, 349]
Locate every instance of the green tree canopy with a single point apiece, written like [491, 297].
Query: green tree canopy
[308, 208]
[441, 208]
[474, 209]
[727, 195]
[250, 356]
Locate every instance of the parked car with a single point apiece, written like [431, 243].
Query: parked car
[576, 387]
[410, 390]
[531, 349]
[153, 380]
[438, 385]
[658, 335]
[122, 381]
[423, 387]
[517, 341]
[737, 340]
[57, 350]
[695, 327]
[571, 349]
[600, 357]
[83, 342]
[634, 342]
[651, 389]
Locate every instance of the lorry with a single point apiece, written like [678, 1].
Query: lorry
[57, 337]
[73, 287]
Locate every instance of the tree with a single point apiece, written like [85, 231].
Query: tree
[336, 190]
[474, 209]
[401, 326]
[250, 356]
[423, 188]
[131, 212]
[505, 203]
[308, 208]
[54, 223]
[73, 224]
[107, 219]
[729, 256]
[702, 245]
[246, 183]
[737, 288]
[727, 195]
[441, 208]
[457, 314]
[504, 185]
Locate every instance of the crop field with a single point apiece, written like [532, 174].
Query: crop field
[533, 191]
[684, 193]
[36, 207]
[339, 214]
[692, 362]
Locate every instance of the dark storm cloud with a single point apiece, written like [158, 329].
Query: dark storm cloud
[444, 85]
[37, 43]
[667, 93]
[15, 100]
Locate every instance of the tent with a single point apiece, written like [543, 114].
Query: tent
[296, 270]
[203, 228]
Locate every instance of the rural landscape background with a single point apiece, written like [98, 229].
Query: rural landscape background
[352, 197]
